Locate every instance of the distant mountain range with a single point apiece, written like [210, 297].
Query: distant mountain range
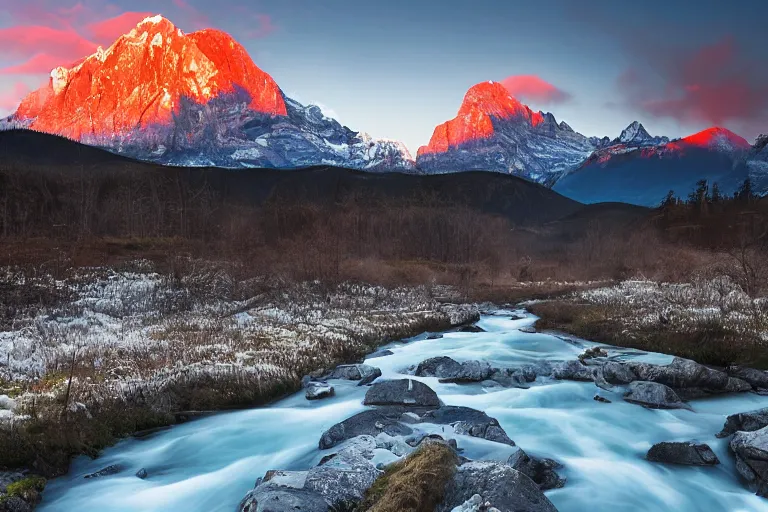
[198, 99]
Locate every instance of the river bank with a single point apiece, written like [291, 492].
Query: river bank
[211, 464]
[102, 353]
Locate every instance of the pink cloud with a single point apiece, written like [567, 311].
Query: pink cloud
[48, 34]
[534, 88]
[714, 84]
[39, 64]
[9, 100]
[107, 31]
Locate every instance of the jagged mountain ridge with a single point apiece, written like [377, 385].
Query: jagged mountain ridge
[636, 134]
[199, 100]
[644, 174]
[493, 131]
[757, 163]
[194, 99]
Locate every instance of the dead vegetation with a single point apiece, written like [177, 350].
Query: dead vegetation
[416, 483]
[710, 320]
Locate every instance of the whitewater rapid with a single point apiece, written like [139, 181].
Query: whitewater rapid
[208, 465]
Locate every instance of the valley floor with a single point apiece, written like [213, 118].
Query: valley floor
[89, 355]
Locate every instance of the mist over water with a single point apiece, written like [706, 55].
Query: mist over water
[208, 465]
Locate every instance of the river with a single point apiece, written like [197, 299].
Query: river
[208, 465]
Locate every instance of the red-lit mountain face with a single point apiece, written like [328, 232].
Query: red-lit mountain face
[493, 131]
[482, 102]
[644, 174]
[195, 100]
[141, 78]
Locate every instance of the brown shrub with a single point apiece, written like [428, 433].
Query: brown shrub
[414, 484]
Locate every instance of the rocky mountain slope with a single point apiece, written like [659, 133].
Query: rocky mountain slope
[643, 173]
[757, 162]
[493, 131]
[194, 99]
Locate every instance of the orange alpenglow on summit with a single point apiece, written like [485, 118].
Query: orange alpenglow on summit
[141, 78]
[482, 103]
[712, 138]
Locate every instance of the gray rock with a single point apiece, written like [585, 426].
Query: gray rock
[276, 499]
[470, 328]
[618, 373]
[572, 370]
[468, 422]
[343, 478]
[441, 367]
[142, 473]
[751, 451]
[404, 392]
[684, 374]
[758, 379]
[380, 353]
[528, 329]
[592, 353]
[509, 378]
[601, 399]
[498, 483]
[9, 477]
[316, 391]
[745, 421]
[15, 504]
[449, 370]
[475, 504]
[540, 471]
[687, 453]
[107, 471]
[362, 372]
[654, 396]
[401, 421]
[435, 337]
[370, 423]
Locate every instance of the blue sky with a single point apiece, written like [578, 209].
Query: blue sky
[397, 69]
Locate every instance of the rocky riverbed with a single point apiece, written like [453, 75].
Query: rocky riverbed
[539, 422]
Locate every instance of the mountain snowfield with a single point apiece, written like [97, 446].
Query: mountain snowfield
[160, 95]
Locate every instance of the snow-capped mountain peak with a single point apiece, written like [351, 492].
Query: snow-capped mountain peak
[194, 99]
[494, 131]
[636, 135]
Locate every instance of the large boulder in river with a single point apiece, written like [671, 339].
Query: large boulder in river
[441, 367]
[654, 396]
[342, 478]
[468, 422]
[751, 451]
[690, 377]
[745, 421]
[403, 392]
[572, 370]
[318, 390]
[367, 423]
[401, 422]
[266, 498]
[686, 453]
[541, 471]
[499, 484]
[362, 372]
[617, 373]
[449, 370]
[758, 379]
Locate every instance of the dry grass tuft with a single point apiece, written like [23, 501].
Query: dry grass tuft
[414, 484]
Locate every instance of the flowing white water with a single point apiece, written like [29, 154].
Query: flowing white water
[208, 465]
